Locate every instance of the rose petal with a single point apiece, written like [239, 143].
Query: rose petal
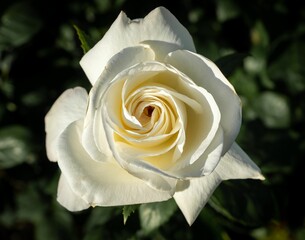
[161, 48]
[120, 120]
[202, 114]
[158, 25]
[206, 163]
[100, 183]
[207, 75]
[93, 139]
[192, 195]
[202, 125]
[154, 177]
[67, 198]
[236, 164]
[69, 107]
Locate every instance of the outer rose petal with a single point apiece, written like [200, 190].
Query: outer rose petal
[236, 164]
[67, 198]
[69, 107]
[100, 183]
[207, 75]
[192, 195]
[158, 25]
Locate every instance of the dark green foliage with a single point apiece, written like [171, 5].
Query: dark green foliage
[18, 25]
[15, 146]
[260, 47]
[86, 42]
[154, 215]
[128, 210]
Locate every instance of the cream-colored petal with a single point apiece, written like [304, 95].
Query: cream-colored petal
[93, 138]
[202, 125]
[100, 183]
[152, 176]
[202, 113]
[207, 75]
[192, 195]
[67, 198]
[202, 110]
[236, 164]
[161, 48]
[158, 25]
[203, 118]
[69, 107]
[206, 163]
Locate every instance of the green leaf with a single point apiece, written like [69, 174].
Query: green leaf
[273, 110]
[248, 203]
[226, 10]
[287, 65]
[18, 25]
[14, 146]
[128, 210]
[96, 222]
[259, 35]
[99, 216]
[153, 215]
[300, 234]
[229, 63]
[48, 223]
[275, 231]
[211, 225]
[29, 204]
[86, 41]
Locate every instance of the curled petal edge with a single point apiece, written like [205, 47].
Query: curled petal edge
[193, 194]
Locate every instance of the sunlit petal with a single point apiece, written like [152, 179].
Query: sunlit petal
[207, 75]
[69, 107]
[67, 198]
[100, 183]
[158, 25]
[236, 164]
[192, 195]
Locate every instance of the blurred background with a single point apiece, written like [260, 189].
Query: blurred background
[259, 45]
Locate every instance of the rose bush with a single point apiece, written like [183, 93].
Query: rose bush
[160, 121]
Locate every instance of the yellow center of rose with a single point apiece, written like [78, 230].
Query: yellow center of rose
[149, 113]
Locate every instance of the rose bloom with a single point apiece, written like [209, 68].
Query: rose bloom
[159, 122]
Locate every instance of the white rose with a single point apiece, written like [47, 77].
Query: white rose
[159, 122]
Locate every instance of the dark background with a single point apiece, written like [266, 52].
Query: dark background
[265, 41]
